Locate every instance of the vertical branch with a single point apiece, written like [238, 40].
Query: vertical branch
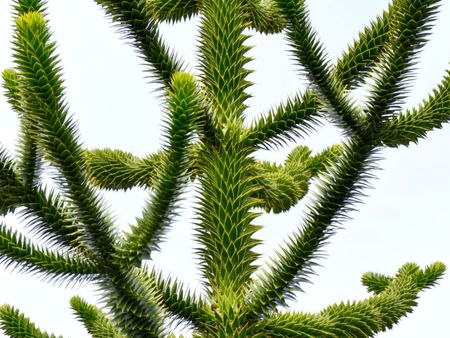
[171, 174]
[29, 159]
[226, 231]
[222, 58]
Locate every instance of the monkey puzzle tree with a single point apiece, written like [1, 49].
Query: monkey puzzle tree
[207, 143]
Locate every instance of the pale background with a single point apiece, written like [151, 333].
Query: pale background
[405, 218]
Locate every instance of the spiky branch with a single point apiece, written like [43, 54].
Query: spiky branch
[208, 142]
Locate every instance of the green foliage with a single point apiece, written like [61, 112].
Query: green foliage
[413, 124]
[208, 143]
[358, 319]
[95, 321]
[43, 98]
[361, 57]
[182, 104]
[291, 119]
[16, 325]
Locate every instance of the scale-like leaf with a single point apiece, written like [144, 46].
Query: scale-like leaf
[206, 142]
[223, 58]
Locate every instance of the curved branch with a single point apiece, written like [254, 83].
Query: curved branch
[361, 319]
[171, 174]
[281, 187]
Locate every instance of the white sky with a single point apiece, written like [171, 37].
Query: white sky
[405, 218]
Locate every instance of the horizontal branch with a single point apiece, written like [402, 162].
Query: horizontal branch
[361, 319]
[294, 118]
[18, 251]
[119, 170]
